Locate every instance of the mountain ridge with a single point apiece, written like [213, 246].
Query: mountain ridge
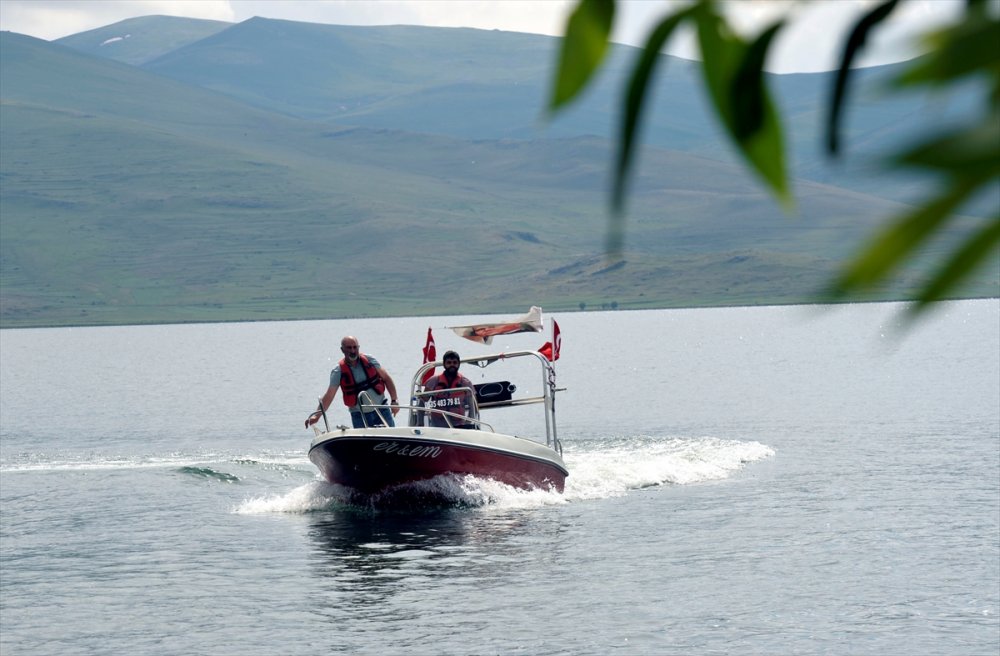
[130, 196]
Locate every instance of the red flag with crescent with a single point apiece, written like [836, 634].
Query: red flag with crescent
[430, 355]
[551, 349]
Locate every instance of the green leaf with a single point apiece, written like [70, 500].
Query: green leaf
[721, 52]
[976, 249]
[766, 152]
[969, 151]
[898, 241]
[966, 49]
[583, 49]
[635, 98]
[747, 91]
[855, 42]
[724, 54]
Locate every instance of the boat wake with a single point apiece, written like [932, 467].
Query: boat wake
[610, 468]
[599, 469]
[208, 473]
[199, 465]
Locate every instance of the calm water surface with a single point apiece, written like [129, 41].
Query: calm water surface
[742, 481]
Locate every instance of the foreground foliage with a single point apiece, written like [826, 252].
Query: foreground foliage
[966, 160]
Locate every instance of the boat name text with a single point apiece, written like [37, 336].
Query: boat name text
[412, 450]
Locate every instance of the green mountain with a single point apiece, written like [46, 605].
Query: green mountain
[138, 40]
[127, 196]
[478, 84]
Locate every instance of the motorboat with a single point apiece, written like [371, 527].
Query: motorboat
[456, 439]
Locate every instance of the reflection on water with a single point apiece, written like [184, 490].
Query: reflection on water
[371, 557]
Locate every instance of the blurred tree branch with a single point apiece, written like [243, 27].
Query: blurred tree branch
[966, 160]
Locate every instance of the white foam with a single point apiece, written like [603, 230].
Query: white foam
[305, 498]
[99, 462]
[637, 463]
[609, 471]
[466, 491]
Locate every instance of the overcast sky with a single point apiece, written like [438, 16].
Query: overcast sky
[813, 44]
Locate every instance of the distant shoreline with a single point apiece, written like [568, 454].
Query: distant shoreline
[463, 313]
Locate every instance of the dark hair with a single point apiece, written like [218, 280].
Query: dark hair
[450, 355]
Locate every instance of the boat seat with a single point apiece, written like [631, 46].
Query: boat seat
[494, 392]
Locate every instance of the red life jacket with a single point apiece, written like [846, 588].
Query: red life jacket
[456, 400]
[351, 387]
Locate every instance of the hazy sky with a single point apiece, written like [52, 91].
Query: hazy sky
[813, 44]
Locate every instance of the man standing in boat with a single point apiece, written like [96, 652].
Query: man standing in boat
[457, 399]
[360, 375]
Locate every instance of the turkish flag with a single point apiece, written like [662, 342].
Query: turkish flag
[430, 355]
[551, 349]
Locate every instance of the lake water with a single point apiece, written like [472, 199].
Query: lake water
[789, 480]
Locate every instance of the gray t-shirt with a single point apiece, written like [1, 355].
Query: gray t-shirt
[359, 375]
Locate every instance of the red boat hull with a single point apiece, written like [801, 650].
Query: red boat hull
[371, 463]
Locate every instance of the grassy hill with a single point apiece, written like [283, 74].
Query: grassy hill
[129, 196]
[479, 84]
[138, 40]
